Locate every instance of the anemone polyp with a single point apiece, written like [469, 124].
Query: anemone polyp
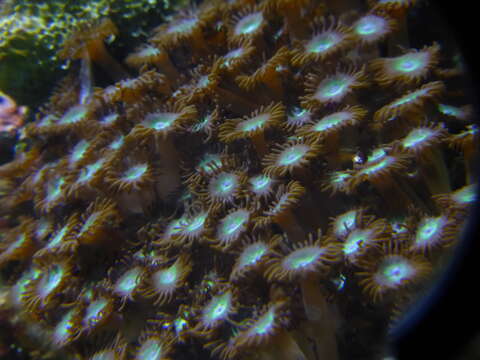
[251, 256]
[391, 273]
[433, 232]
[97, 312]
[162, 282]
[461, 198]
[54, 275]
[371, 28]
[253, 126]
[297, 117]
[78, 152]
[196, 226]
[224, 187]
[73, 115]
[461, 113]
[333, 122]
[62, 239]
[302, 259]
[292, 155]
[217, 310]
[409, 68]
[128, 283]
[52, 194]
[357, 243]
[232, 226]
[261, 185]
[421, 138]
[100, 216]
[153, 347]
[260, 330]
[331, 89]
[325, 42]
[411, 102]
[18, 244]
[344, 223]
[248, 24]
[338, 181]
[67, 329]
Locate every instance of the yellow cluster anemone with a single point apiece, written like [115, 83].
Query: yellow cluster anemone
[242, 183]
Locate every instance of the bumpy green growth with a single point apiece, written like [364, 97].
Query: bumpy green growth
[32, 32]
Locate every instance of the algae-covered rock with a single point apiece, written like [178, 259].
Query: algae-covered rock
[31, 33]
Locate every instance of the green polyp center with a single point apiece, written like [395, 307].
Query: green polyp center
[210, 162]
[409, 98]
[230, 56]
[331, 120]
[376, 154]
[94, 310]
[465, 195]
[224, 184]
[249, 24]
[428, 228]
[260, 182]
[174, 227]
[449, 110]
[42, 228]
[345, 222]
[51, 280]
[58, 237]
[135, 172]
[179, 325]
[197, 222]
[373, 168]
[47, 120]
[368, 25]
[332, 88]
[108, 119]
[166, 277]
[323, 42]
[409, 62]
[203, 82]
[339, 177]
[62, 330]
[150, 350]
[265, 323]
[55, 188]
[396, 270]
[218, 307]
[79, 150]
[90, 170]
[88, 223]
[17, 243]
[115, 144]
[127, 283]
[254, 123]
[149, 51]
[234, 222]
[252, 254]
[355, 241]
[184, 25]
[160, 121]
[416, 136]
[292, 155]
[302, 258]
[73, 115]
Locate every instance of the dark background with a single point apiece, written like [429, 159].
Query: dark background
[446, 324]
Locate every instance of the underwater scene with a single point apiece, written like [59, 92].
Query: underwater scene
[243, 179]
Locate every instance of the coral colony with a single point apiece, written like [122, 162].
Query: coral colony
[261, 180]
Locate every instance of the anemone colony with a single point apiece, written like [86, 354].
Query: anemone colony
[262, 179]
